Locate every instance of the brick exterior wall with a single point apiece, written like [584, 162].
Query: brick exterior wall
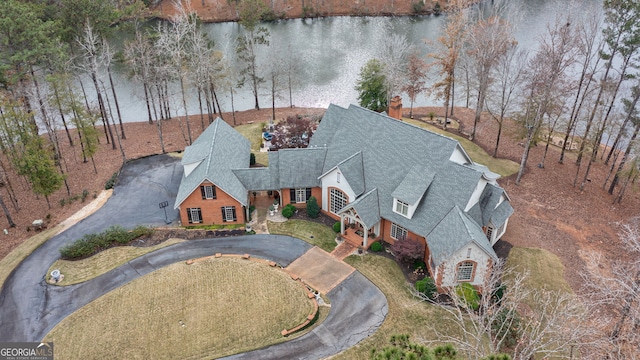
[211, 208]
[286, 197]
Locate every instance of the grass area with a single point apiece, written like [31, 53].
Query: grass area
[253, 132]
[406, 314]
[210, 309]
[504, 167]
[545, 268]
[15, 257]
[77, 271]
[323, 236]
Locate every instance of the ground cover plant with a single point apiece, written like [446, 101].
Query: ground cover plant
[211, 309]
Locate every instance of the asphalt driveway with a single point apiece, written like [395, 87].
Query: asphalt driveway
[29, 307]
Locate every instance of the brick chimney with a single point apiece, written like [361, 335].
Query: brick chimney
[395, 108]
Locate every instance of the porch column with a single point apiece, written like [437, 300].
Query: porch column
[342, 224]
[366, 237]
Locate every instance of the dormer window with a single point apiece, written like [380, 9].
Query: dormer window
[402, 208]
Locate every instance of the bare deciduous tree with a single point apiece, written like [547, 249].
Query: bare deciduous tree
[488, 40]
[618, 290]
[513, 318]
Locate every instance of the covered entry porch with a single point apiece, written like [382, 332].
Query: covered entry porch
[356, 231]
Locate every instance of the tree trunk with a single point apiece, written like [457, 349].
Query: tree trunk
[62, 117]
[146, 100]
[625, 157]
[7, 213]
[115, 100]
[186, 111]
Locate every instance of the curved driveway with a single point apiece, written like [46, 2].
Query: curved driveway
[29, 308]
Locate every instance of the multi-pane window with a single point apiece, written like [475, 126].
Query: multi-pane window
[338, 200]
[208, 191]
[465, 271]
[194, 215]
[489, 232]
[301, 195]
[398, 232]
[402, 208]
[228, 213]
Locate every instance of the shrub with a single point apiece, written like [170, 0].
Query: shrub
[469, 295]
[111, 182]
[418, 7]
[437, 9]
[407, 250]
[512, 333]
[419, 264]
[63, 202]
[90, 244]
[288, 211]
[336, 227]
[252, 159]
[141, 230]
[428, 287]
[313, 210]
[376, 246]
[85, 193]
[445, 352]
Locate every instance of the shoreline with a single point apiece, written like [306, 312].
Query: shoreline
[218, 11]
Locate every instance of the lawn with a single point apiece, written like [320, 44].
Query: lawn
[503, 167]
[78, 271]
[253, 132]
[210, 309]
[323, 236]
[545, 268]
[406, 314]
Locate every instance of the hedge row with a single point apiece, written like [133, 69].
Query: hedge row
[91, 244]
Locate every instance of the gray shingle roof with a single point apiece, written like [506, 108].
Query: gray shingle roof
[502, 213]
[300, 168]
[367, 208]
[219, 149]
[255, 178]
[414, 185]
[352, 170]
[454, 232]
[387, 161]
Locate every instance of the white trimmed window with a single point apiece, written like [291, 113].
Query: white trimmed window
[465, 270]
[228, 213]
[194, 215]
[402, 208]
[208, 192]
[338, 200]
[301, 196]
[398, 232]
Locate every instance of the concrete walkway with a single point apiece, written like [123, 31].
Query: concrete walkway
[30, 308]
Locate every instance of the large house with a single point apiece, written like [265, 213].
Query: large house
[382, 178]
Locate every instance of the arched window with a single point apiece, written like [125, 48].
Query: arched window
[466, 270]
[338, 200]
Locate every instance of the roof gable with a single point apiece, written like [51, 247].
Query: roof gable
[454, 232]
[367, 208]
[414, 185]
[218, 150]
